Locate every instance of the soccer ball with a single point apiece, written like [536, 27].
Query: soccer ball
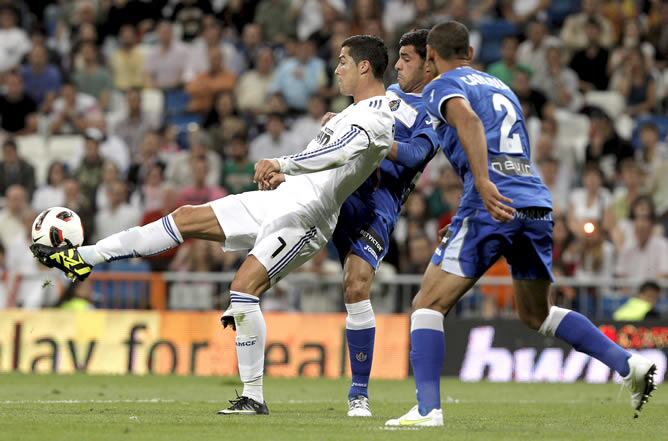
[57, 225]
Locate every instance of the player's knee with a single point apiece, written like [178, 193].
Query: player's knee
[422, 301]
[532, 319]
[356, 290]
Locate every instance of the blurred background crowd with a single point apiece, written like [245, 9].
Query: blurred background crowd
[123, 110]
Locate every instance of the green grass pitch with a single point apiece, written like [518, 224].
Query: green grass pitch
[82, 408]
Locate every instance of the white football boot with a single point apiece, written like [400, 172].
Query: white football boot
[640, 381]
[413, 418]
[359, 407]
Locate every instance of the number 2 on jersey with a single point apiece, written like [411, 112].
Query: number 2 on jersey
[507, 143]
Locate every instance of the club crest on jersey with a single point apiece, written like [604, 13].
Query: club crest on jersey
[361, 357]
[394, 105]
[324, 136]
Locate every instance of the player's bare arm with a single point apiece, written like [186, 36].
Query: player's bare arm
[472, 135]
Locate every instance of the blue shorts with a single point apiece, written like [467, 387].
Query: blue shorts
[475, 241]
[362, 231]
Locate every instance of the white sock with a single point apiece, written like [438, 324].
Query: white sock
[148, 240]
[360, 315]
[251, 335]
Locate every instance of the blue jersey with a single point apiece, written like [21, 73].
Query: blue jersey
[396, 179]
[508, 147]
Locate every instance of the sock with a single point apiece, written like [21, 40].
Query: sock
[427, 357]
[576, 330]
[360, 334]
[251, 335]
[150, 239]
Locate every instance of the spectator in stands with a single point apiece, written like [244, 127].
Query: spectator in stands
[651, 153]
[444, 199]
[75, 200]
[531, 52]
[149, 154]
[549, 169]
[18, 112]
[189, 14]
[14, 43]
[533, 98]
[4, 277]
[205, 86]
[73, 112]
[42, 80]
[275, 20]
[51, 194]
[306, 127]
[253, 86]
[636, 84]
[560, 84]
[573, 33]
[605, 146]
[591, 62]
[641, 306]
[590, 202]
[251, 42]
[195, 256]
[110, 174]
[645, 254]
[89, 172]
[165, 62]
[133, 128]
[657, 187]
[77, 297]
[14, 169]
[507, 65]
[310, 15]
[211, 38]
[415, 220]
[119, 216]
[180, 170]
[92, 78]
[199, 192]
[275, 142]
[629, 190]
[299, 77]
[632, 38]
[420, 250]
[11, 215]
[153, 193]
[223, 123]
[127, 62]
[238, 170]
[595, 255]
[658, 34]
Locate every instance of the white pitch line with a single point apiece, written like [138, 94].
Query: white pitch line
[151, 400]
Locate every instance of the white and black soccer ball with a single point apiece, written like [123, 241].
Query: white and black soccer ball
[57, 225]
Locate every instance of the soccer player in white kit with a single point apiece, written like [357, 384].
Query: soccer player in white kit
[283, 227]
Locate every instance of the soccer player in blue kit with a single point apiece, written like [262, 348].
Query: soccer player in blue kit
[368, 216]
[505, 210]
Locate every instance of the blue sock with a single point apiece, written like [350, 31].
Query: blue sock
[360, 334]
[427, 357]
[360, 348]
[576, 330]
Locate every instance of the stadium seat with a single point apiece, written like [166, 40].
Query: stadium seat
[123, 294]
[32, 148]
[611, 102]
[182, 122]
[624, 126]
[65, 148]
[492, 32]
[560, 9]
[153, 102]
[572, 133]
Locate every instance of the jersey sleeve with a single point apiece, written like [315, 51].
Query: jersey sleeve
[439, 91]
[348, 141]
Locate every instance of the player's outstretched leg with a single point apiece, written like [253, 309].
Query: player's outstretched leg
[578, 331]
[245, 316]
[360, 332]
[439, 292]
[156, 237]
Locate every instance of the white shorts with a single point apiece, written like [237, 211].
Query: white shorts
[272, 226]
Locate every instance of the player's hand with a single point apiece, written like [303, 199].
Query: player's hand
[272, 182]
[494, 201]
[264, 168]
[326, 118]
[442, 232]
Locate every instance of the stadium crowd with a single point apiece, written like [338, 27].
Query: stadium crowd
[123, 110]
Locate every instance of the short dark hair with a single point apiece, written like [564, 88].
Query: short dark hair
[416, 38]
[449, 39]
[649, 285]
[371, 49]
[644, 199]
[9, 142]
[650, 126]
[593, 21]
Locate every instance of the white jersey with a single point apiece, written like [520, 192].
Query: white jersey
[345, 153]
